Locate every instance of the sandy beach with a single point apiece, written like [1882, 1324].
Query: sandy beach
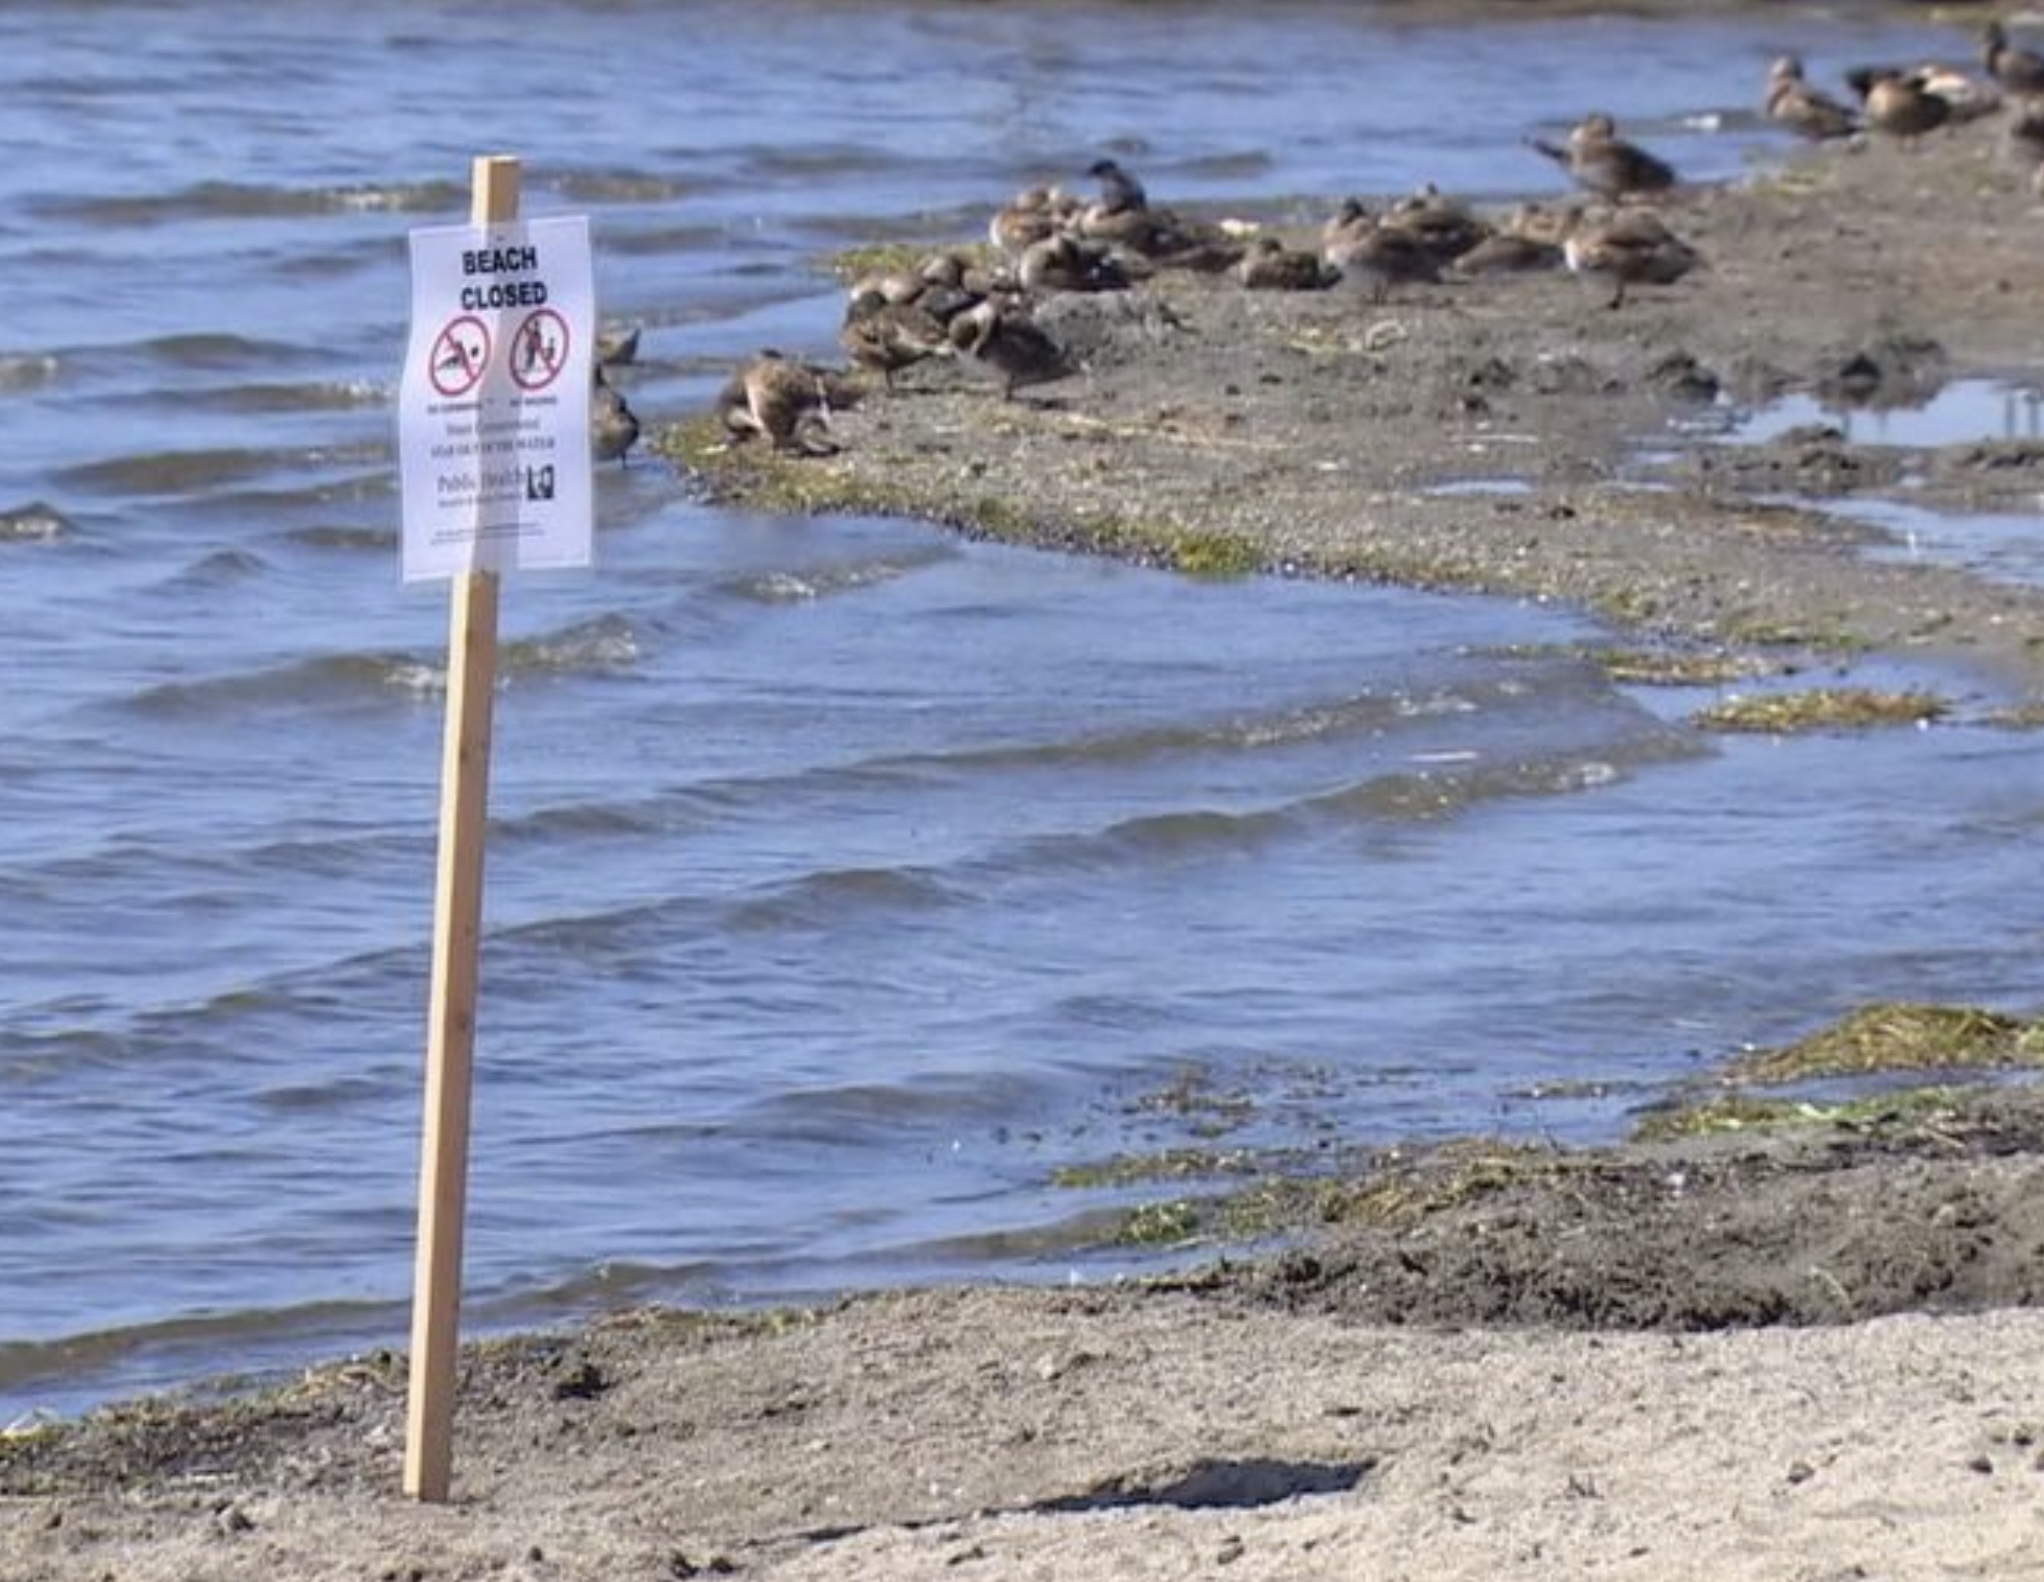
[1801, 1352]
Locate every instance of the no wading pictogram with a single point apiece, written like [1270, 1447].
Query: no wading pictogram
[460, 354]
[539, 351]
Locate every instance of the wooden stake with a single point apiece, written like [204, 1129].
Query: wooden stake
[451, 1018]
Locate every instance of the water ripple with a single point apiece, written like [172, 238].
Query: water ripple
[230, 200]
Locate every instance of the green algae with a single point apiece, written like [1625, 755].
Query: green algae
[1819, 709]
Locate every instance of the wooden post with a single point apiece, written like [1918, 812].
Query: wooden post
[451, 1018]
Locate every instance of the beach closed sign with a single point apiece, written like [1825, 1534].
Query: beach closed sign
[493, 411]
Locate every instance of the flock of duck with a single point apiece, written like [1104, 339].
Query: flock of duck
[1045, 241]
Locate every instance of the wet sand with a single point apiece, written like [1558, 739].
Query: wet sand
[1802, 1355]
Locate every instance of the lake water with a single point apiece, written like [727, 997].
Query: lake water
[847, 881]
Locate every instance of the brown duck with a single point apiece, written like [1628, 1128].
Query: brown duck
[1445, 226]
[1030, 216]
[1808, 112]
[1526, 239]
[1898, 105]
[1069, 263]
[1001, 335]
[1627, 247]
[778, 398]
[1601, 161]
[2019, 70]
[887, 335]
[613, 426]
[1367, 251]
[1269, 265]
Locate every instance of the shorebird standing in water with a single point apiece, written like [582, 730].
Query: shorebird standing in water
[613, 426]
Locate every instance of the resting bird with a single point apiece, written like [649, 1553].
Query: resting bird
[1269, 265]
[1627, 247]
[1804, 110]
[1526, 240]
[1441, 224]
[1366, 251]
[1597, 158]
[1898, 105]
[1031, 215]
[882, 333]
[1068, 263]
[1003, 337]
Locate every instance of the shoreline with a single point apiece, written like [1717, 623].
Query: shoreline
[1760, 1351]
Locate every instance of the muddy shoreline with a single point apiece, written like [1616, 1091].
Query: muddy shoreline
[1515, 436]
[1691, 1357]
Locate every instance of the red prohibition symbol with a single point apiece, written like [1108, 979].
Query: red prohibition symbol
[460, 354]
[539, 349]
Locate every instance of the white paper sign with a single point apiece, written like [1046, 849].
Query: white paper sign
[493, 411]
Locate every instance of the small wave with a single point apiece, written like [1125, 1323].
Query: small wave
[594, 820]
[338, 1093]
[67, 1367]
[381, 540]
[26, 370]
[221, 568]
[605, 1287]
[332, 679]
[35, 523]
[1368, 713]
[185, 472]
[620, 186]
[266, 506]
[853, 1114]
[604, 645]
[343, 395]
[837, 896]
[61, 1054]
[216, 351]
[231, 200]
[1448, 790]
[668, 241]
[816, 160]
[791, 585]
[1452, 784]
[1194, 833]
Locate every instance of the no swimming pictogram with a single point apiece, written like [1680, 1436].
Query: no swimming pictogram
[460, 354]
[539, 350]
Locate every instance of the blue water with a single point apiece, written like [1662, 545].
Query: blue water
[846, 880]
